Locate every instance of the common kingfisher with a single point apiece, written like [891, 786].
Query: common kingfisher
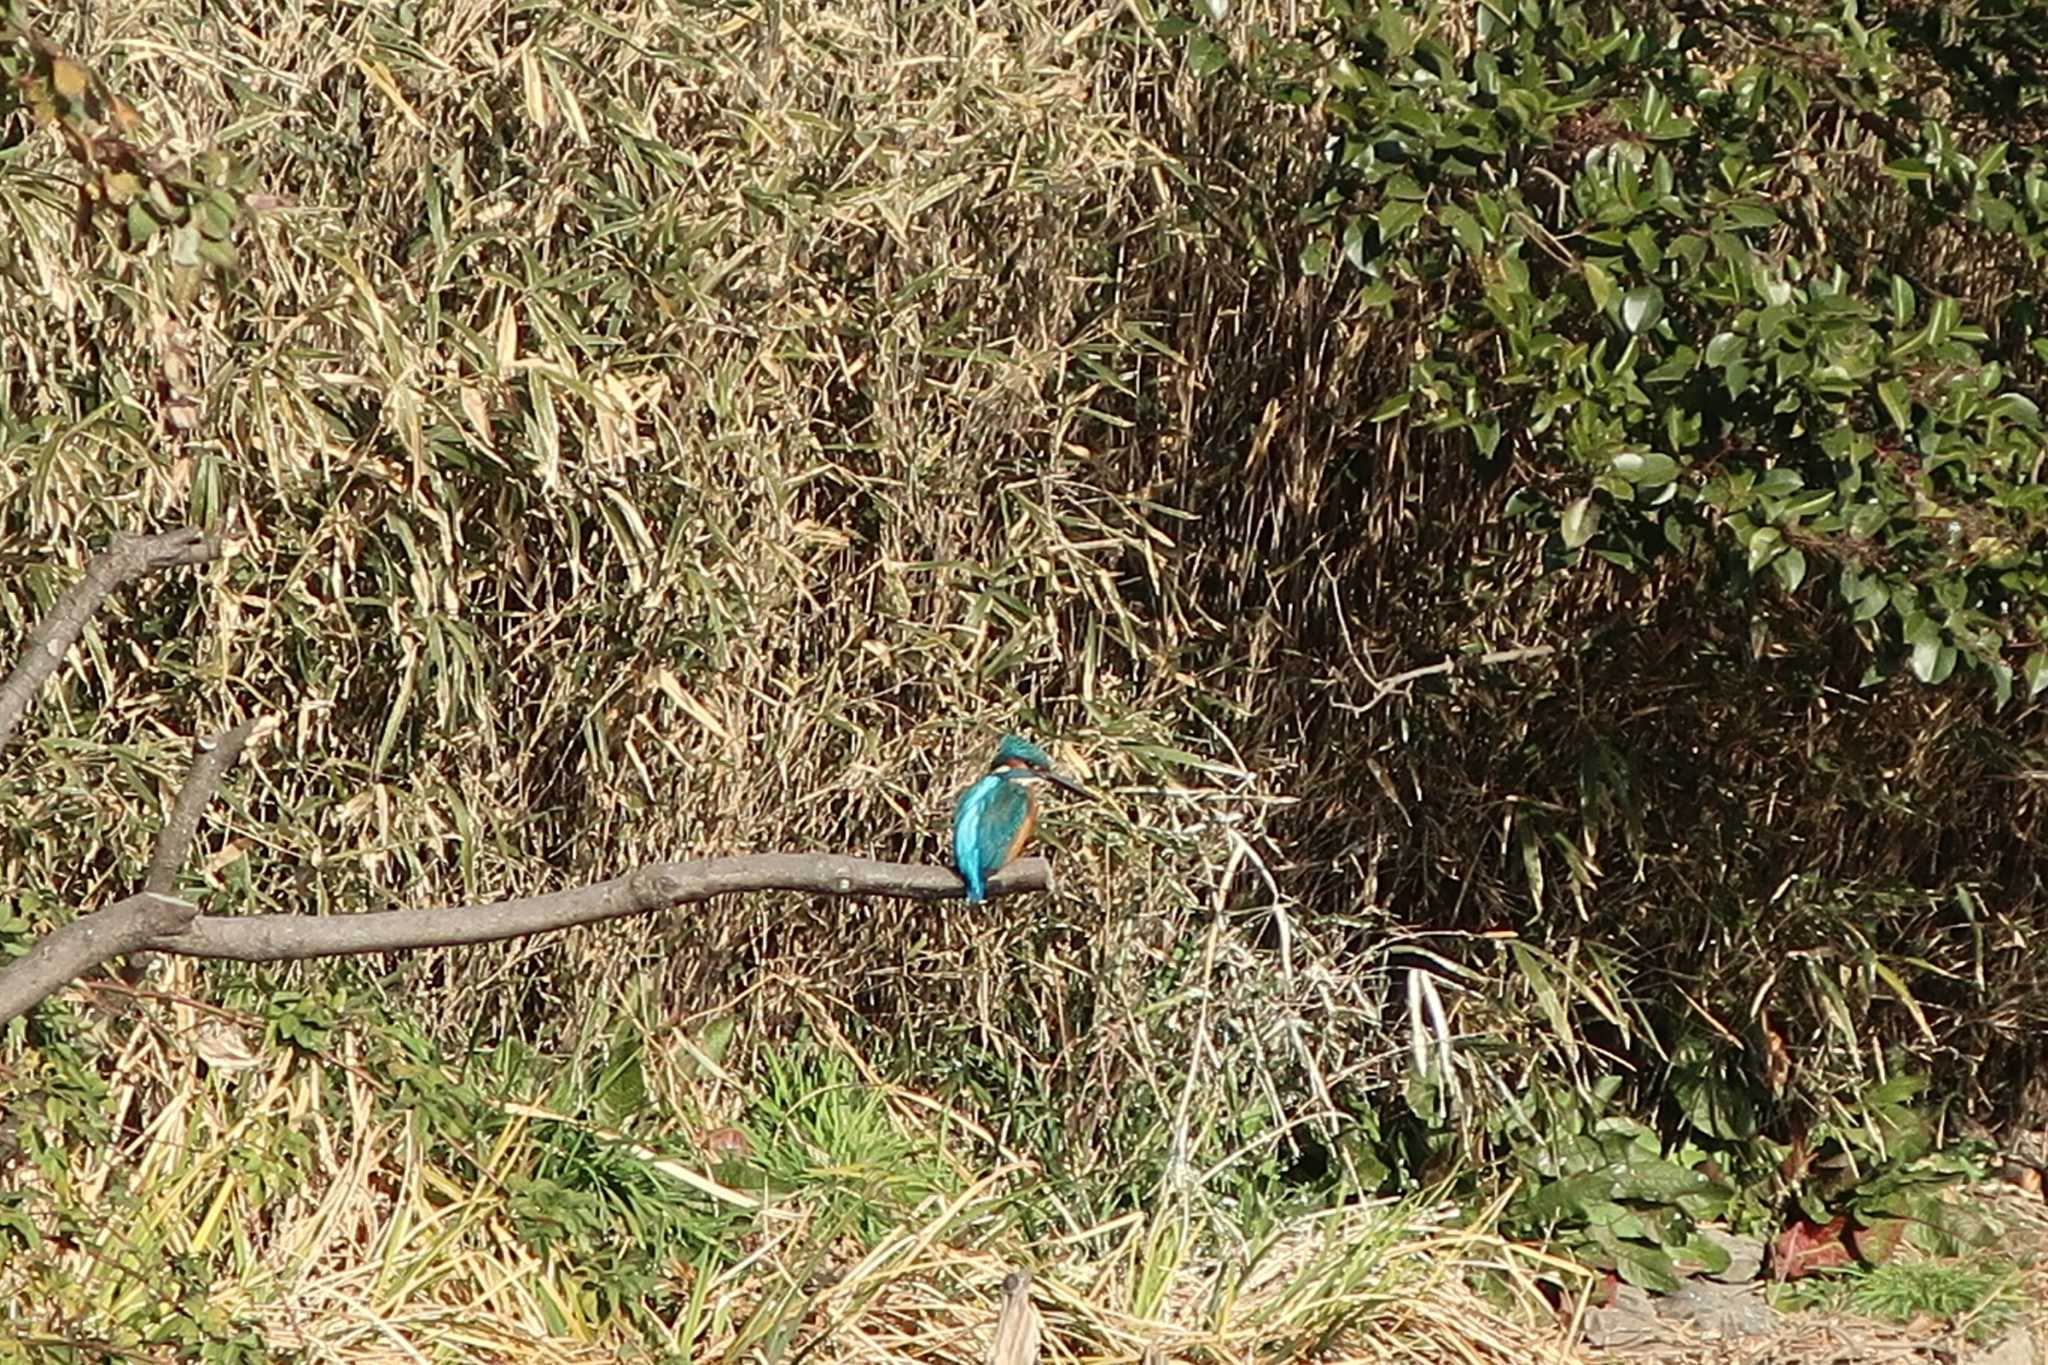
[997, 814]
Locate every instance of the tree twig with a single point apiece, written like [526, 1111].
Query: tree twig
[1386, 687]
[165, 925]
[202, 779]
[126, 557]
[210, 764]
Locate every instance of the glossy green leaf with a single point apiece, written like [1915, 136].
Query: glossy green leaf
[2019, 408]
[1465, 228]
[1646, 467]
[1918, 628]
[142, 226]
[1697, 1255]
[1645, 1267]
[1642, 244]
[1396, 217]
[1600, 285]
[1579, 522]
[1790, 568]
[1764, 543]
[1206, 56]
[1751, 215]
[1736, 379]
[1641, 307]
[1896, 402]
[1903, 301]
[1354, 243]
[1932, 661]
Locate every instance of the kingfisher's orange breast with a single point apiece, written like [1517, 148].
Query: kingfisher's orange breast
[1024, 828]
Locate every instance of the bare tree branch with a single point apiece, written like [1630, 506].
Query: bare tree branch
[1487, 660]
[162, 924]
[66, 954]
[209, 765]
[153, 920]
[126, 556]
[282, 938]
[1384, 688]
[202, 779]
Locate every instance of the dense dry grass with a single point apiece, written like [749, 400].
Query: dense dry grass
[657, 430]
[339, 1226]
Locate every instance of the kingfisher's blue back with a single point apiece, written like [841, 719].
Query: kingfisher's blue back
[996, 815]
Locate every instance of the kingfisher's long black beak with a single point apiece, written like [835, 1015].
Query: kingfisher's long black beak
[1060, 780]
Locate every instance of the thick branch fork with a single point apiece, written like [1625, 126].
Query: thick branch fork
[159, 923]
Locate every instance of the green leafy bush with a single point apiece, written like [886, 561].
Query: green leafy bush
[1648, 272]
[1712, 302]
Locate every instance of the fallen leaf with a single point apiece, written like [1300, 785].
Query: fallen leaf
[1879, 1242]
[1805, 1247]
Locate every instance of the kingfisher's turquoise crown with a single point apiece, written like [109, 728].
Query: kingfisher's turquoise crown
[1023, 751]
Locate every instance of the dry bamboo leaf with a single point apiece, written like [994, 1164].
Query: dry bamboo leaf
[380, 76]
[508, 338]
[68, 78]
[534, 88]
[477, 409]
